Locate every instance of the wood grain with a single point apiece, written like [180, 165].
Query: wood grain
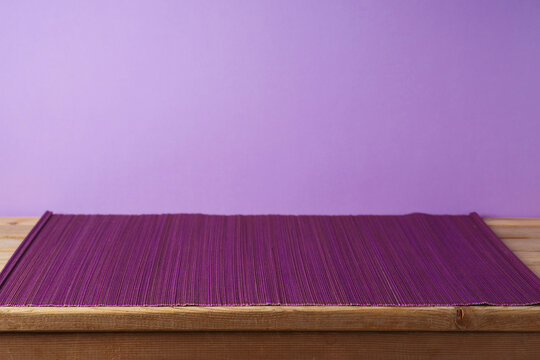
[528, 245]
[18, 221]
[271, 345]
[498, 318]
[514, 232]
[519, 222]
[237, 318]
[270, 318]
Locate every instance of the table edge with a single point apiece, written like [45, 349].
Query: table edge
[271, 318]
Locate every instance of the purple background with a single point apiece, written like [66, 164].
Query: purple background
[317, 107]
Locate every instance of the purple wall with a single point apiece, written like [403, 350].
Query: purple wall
[327, 107]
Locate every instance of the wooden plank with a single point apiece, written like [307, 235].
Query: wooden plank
[514, 232]
[18, 221]
[498, 318]
[10, 243]
[529, 258]
[15, 231]
[271, 345]
[237, 318]
[491, 221]
[519, 244]
[510, 228]
[4, 256]
[270, 318]
[7, 248]
[16, 227]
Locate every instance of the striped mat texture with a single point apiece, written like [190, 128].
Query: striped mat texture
[151, 260]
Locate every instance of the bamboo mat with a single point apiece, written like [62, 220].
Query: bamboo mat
[194, 259]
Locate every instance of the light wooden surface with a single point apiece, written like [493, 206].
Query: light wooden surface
[271, 318]
[276, 332]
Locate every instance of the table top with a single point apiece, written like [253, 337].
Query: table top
[521, 235]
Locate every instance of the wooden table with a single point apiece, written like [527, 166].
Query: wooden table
[276, 332]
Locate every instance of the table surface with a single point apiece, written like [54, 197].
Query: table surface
[521, 235]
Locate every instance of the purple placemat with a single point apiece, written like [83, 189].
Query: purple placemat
[134, 260]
